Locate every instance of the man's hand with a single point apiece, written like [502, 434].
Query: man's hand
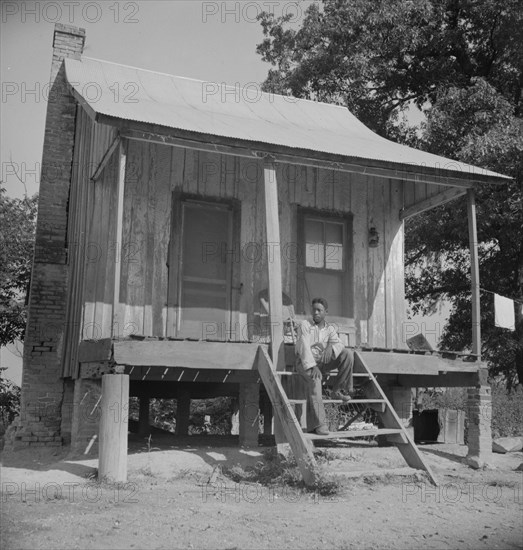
[326, 356]
[315, 373]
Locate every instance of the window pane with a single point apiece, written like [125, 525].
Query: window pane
[334, 233]
[206, 235]
[334, 256]
[334, 246]
[325, 285]
[314, 247]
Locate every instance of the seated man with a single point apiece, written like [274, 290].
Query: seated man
[320, 351]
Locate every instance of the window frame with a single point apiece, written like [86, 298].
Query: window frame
[346, 273]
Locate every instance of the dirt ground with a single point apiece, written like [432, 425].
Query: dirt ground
[178, 497]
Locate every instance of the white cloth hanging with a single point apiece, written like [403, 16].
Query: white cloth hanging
[504, 312]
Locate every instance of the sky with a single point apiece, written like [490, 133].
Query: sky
[206, 40]
[214, 41]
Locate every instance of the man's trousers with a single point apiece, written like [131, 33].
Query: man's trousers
[315, 408]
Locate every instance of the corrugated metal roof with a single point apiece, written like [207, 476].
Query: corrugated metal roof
[246, 114]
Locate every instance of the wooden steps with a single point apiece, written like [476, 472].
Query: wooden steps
[375, 399]
[351, 434]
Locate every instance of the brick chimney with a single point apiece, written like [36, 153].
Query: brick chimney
[42, 384]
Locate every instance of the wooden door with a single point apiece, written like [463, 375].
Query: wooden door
[204, 284]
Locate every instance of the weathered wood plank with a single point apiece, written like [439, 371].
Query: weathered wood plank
[449, 194]
[474, 273]
[272, 228]
[181, 353]
[161, 229]
[398, 363]
[118, 312]
[90, 351]
[149, 190]
[288, 421]
[110, 184]
[376, 266]
[359, 209]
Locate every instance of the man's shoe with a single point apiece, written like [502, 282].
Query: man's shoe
[320, 430]
[340, 396]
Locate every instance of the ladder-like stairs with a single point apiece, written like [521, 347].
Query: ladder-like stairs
[374, 398]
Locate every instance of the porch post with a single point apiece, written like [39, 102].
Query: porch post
[118, 320]
[479, 397]
[474, 273]
[272, 228]
[272, 232]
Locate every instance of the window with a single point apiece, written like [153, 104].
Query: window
[325, 263]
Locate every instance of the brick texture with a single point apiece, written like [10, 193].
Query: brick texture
[479, 427]
[42, 383]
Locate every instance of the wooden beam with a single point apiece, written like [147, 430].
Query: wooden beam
[474, 274]
[449, 379]
[105, 159]
[272, 232]
[431, 202]
[182, 353]
[249, 414]
[288, 421]
[90, 351]
[118, 317]
[388, 170]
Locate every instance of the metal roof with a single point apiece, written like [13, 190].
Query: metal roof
[248, 114]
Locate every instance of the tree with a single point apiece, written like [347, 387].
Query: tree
[461, 62]
[379, 56]
[17, 235]
[476, 125]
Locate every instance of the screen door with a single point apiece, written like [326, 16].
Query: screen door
[205, 282]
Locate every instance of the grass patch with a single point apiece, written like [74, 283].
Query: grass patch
[276, 470]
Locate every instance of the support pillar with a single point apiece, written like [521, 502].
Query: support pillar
[114, 426]
[479, 408]
[266, 410]
[143, 418]
[183, 412]
[249, 414]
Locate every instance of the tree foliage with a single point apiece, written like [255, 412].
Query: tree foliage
[461, 62]
[378, 56]
[17, 234]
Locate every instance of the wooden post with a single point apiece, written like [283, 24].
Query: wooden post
[249, 414]
[143, 418]
[272, 227]
[183, 412]
[272, 232]
[266, 410]
[112, 461]
[474, 274]
[118, 320]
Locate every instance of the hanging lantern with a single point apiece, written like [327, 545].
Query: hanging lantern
[374, 238]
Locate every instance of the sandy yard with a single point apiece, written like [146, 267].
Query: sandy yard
[178, 497]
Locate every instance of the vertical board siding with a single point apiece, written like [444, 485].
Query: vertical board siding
[157, 175]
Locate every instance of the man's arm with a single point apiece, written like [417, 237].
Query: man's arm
[334, 341]
[303, 345]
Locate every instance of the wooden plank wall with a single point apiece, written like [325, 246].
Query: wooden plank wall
[155, 171]
[88, 242]
[417, 192]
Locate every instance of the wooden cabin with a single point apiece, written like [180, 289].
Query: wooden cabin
[175, 205]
